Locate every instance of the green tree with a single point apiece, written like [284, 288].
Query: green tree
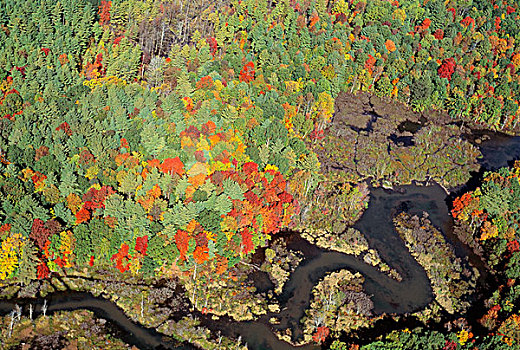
[28, 263]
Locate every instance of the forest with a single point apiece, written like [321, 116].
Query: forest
[162, 152]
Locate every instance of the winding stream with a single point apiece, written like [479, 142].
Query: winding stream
[144, 338]
[389, 296]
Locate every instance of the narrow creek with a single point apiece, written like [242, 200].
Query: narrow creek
[128, 331]
[389, 296]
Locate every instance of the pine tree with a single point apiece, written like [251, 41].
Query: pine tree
[152, 140]
[233, 189]
[28, 263]
[223, 204]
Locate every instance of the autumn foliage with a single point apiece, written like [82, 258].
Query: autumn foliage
[447, 68]
[172, 166]
[141, 244]
[464, 205]
[43, 271]
[321, 334]
[122, 258]
[390, 45]
[39, 232]
[104, 12]
[247, 73]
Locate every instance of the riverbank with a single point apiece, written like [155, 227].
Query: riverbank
[273, 315]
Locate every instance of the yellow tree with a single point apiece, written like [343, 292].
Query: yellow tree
[9, 254]
[323, 109]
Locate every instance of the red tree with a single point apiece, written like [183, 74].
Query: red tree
[497, 23]
[321, 333]
[453, 12]
[172, 166]
[201, 255]
[370, 63]
[247, 241]
[513, 246]
[95, 198]
[43, 271]
[424, 25]
[212, 42]
[247, 73]
[249, 167]
[460, 203]
[124, 143]
[191, 131]
[208, 128]
[104, 12]
[120, 256]
[181, 240]
[82, 215]
[449, 345]
[439, 34]
[466, 22]
[285, 197]
[204, 82]
[39, 233]
[252, 198]
[141, 244]
[118, 39]
[65, 127]
[447, 68]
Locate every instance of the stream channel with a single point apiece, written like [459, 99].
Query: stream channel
[389, 296]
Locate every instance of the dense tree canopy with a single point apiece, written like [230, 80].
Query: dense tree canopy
[162, 137]
[106, 135]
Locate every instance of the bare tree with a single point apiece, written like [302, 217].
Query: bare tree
[18, 312]
[142, 305]
[318, 320]
[44, 308]
[12, 315]
[330, 301]
[219, 340]
[239, 342]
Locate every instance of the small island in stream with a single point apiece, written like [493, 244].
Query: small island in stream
[262, 175]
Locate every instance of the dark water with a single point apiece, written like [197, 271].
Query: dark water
[125, 329]
[499, 151]
[389, 296]
[410, 126]
[261, 281]
[407, 141]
